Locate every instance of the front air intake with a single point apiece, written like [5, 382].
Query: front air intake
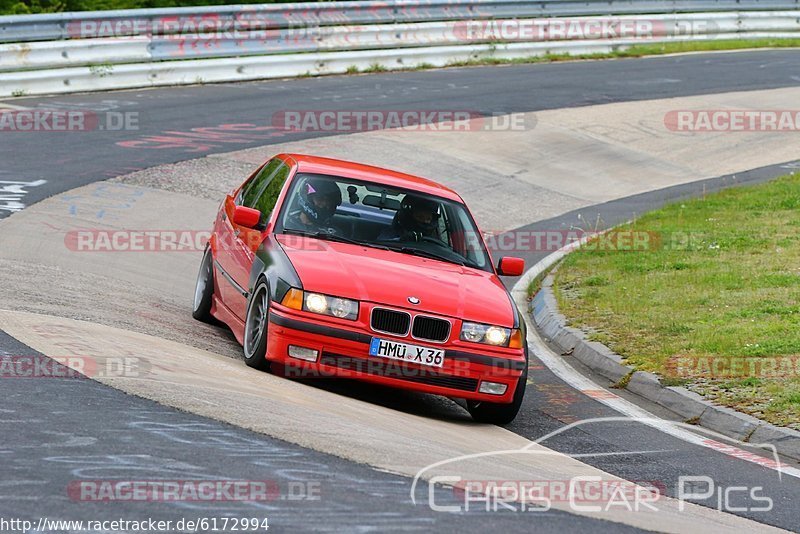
[430, 329]
[392, 322]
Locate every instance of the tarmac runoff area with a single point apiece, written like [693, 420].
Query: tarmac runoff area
[118, 304]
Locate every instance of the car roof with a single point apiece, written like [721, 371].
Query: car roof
[348, 169]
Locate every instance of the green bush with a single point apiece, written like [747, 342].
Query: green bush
[23, 7]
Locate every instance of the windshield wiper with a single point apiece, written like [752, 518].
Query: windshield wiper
[333, 237]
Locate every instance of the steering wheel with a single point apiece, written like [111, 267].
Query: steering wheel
[429, 239]
[419, 237]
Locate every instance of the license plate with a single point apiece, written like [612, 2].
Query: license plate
[405, 352]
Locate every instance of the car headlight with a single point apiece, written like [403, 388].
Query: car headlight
[484, 333]
[316, 303]
[322, 304]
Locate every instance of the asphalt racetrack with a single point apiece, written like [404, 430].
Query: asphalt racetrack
[343, 455]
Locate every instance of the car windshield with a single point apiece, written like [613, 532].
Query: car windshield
[372, 214]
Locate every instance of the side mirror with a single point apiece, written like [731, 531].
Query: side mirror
[509, 266]
[247, 217]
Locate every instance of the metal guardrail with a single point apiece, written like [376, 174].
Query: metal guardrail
[71, 52]
[116, 51]
[25, 28]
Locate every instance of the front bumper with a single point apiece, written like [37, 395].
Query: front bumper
[344, 352]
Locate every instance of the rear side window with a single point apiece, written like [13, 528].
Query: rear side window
[262, 191]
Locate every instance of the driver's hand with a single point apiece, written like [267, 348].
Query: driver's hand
[410, 235]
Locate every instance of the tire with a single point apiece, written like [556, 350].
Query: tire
[204, 290]
[500, 414]
[255, 328]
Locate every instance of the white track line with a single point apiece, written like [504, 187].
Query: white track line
[576, 380]
[4, 105]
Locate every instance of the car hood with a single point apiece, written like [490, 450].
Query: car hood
[390, 278]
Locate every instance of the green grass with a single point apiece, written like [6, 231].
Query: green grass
[536, 283]
[720, 283]
[25, 7]
[704, 46]
[631, 52]
[375, 67]
[638, 51]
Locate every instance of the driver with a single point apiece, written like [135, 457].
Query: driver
[418, 217]
[318, 201]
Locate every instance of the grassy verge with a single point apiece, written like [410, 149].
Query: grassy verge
[706, 46]
[711, 298]
[536, 284]
[630, 52]
[637, 51]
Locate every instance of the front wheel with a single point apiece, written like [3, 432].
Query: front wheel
[500, 414]
[255, 328]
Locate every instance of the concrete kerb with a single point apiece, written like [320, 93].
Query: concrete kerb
[543, 316]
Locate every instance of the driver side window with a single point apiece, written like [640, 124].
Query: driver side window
[262, 191]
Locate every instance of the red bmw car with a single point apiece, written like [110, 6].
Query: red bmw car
[323, 267]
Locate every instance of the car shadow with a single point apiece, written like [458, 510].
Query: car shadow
[412, 402]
